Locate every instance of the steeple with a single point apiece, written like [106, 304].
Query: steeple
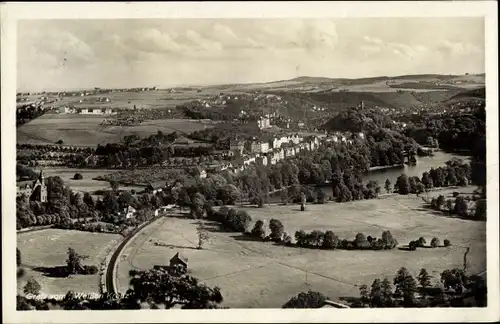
[41, 177]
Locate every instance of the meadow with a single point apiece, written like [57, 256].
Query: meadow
[48, 248]
[87, 184]
[84, 130]
[259, 274]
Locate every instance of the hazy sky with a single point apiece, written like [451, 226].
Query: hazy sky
[65, 54]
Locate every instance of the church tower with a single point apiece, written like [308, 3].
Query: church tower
[43, 188]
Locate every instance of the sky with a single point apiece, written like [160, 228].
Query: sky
[119, 53]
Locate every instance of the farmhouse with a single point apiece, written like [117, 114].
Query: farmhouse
[66, 110]
[179, 259]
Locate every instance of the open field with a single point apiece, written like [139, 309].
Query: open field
[87, 184]
[48, 248]
[258, 274]
[81, 130]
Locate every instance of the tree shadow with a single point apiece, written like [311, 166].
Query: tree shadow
[219, 228]
[53, 272]
[243, 237]
[446, 214]
[174, 246]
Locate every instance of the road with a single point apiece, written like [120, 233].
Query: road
[110, 270]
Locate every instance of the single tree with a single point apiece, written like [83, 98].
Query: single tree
[202, 235]
[446, 242]
[32, 287]
[387, 185]
[461, 207]
[364, 294]
[386, 293]
[406, 287]
[435, 242]
[74, 262]
[480, 211]
[330, 240]
[258, 229]
[376, 294]
[424, 278]
[277, 229]
[18, 257]
[403, 184]
[77, 176]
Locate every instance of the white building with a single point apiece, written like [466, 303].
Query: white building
[129, 212]
[264, 122]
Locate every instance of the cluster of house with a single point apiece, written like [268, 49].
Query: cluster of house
[86, 111]
[280, 148]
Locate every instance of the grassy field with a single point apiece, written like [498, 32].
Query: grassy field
[129, 99]
[87, 184]
[262, 275]
[48, 248]
[83, 130]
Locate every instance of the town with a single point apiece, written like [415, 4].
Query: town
[307, 192]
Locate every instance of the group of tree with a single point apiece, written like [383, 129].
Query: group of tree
[435, 242]
[310, 299]
[65, 207]
[455, 173]
[454, 131]
[328, 240]
[152, 289]
[28, 112]
[455, 289]
[460, 206]
[231, 219]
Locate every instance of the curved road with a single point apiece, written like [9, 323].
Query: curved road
[110, 270]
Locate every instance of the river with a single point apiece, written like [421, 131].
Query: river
[423, 164]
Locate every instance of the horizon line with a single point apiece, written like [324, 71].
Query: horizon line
[260, 82]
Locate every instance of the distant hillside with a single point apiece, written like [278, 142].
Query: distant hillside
[479, 93]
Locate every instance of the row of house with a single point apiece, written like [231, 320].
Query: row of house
[86, 111]
[290, 146]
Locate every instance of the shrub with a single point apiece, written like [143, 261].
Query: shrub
[446, 242]
[77, 176]
[435, 242]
